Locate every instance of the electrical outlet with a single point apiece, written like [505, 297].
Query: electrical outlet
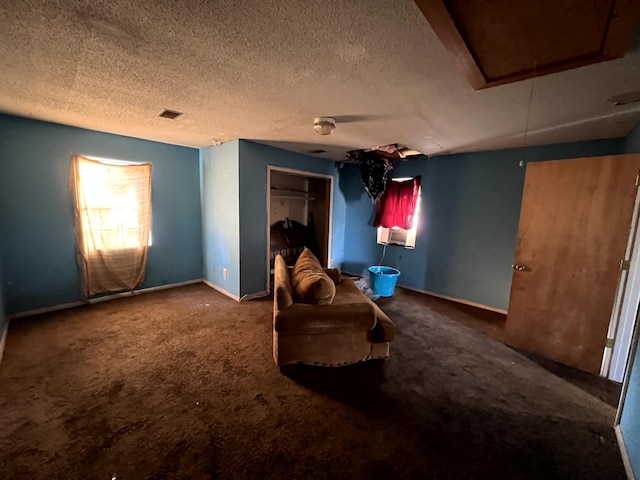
[224, 273]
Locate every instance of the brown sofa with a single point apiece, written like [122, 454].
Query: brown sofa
[349, 329]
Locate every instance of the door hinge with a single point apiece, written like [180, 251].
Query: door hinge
[610, 342]
[625, 264]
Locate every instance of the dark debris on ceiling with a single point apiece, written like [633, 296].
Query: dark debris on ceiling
[375, 163]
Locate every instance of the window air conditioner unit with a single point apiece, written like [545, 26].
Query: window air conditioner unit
[397, 236]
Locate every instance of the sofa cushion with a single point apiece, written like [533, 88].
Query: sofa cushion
[310, 282]
[301, 319]
[347, 292]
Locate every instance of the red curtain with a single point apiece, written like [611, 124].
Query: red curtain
[397, 205]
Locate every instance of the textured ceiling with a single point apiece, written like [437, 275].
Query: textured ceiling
[263, 70]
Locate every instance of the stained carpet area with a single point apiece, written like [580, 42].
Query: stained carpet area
[181, 384]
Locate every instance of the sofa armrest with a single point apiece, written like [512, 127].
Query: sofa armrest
[302, 319]
[334, 274]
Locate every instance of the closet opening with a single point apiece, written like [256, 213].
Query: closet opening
[298, 214]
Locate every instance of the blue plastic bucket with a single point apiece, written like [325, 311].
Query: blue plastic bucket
[383, 280]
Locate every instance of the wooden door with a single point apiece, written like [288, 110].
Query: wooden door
[574, 225]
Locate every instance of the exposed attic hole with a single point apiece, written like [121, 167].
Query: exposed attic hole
[393, 151]
[170, 114]
[375, 162]
[317, 152]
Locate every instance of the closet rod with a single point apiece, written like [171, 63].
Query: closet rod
[293, 197]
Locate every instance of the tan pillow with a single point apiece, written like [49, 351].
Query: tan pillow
[310, 282]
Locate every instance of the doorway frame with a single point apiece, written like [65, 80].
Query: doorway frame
[301, 173]
[621, 328]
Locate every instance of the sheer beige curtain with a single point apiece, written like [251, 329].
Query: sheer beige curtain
[113, 221]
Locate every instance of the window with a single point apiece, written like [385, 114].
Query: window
[111, 210]
[400, 205]
[113, 217]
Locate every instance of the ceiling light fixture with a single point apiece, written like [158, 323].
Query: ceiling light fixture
[324, 125]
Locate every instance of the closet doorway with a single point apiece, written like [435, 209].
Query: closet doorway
[298, 214]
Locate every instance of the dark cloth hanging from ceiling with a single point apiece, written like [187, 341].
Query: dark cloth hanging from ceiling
[373, 172]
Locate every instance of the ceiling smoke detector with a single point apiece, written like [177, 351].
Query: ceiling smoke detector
[324, 125]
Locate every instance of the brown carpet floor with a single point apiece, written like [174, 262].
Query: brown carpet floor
[181, 384]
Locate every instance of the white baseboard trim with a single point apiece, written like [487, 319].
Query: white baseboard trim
[623, 452]
[221, 290]
[457, 300]
[3, 339]
[103, 299]
[144, 290]
[38, 311]
[253, 296]
[445, 297]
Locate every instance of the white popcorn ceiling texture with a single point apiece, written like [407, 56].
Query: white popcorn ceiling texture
[263, 70]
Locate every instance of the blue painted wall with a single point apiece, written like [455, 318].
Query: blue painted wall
[3, 310]
[36, 209]
[632, 143]
[254, 159]
[630, 419]
[220, 220]
[468, 222]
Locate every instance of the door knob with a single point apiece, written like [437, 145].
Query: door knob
[521, 268]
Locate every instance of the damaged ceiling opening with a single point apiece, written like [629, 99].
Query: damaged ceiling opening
[393, 151]
[375, 163]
